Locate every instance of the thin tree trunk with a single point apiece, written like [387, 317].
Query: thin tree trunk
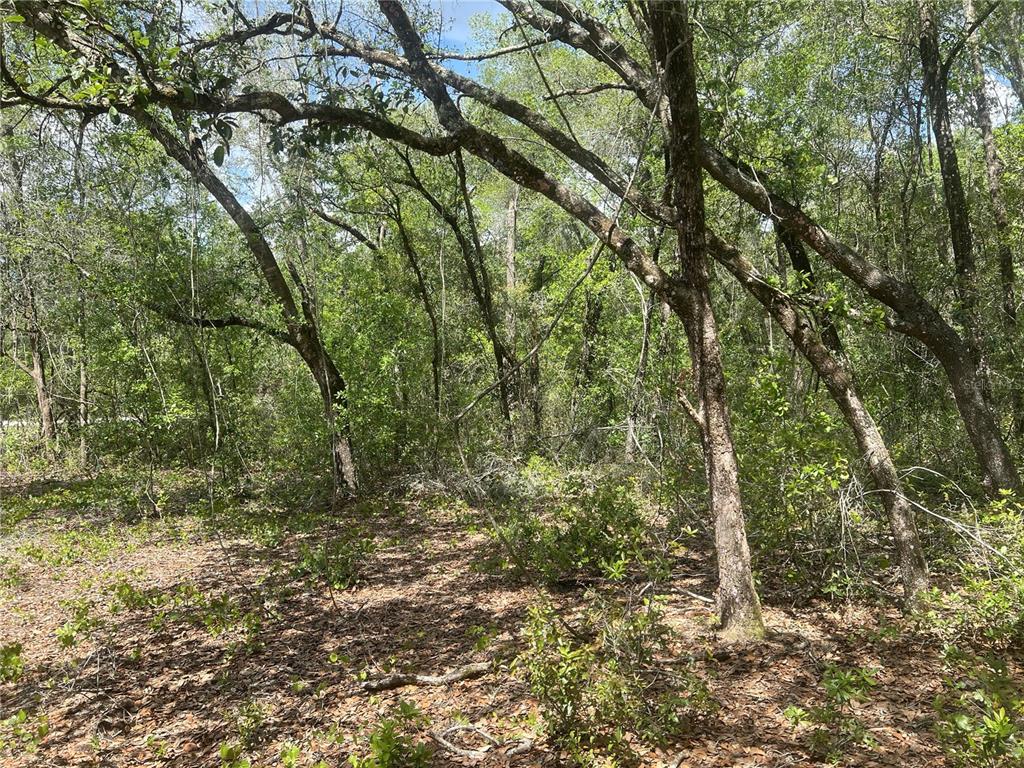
[479, 279]
[47, 424]
[302, 332]
[994, 178]
[428, 306]
[738, 605]
[961, 236]
[832, 368]
[635, 398]
[511, 280]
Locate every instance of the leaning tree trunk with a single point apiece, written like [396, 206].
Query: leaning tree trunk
[738, 605]
[302, 332]
[832, 369]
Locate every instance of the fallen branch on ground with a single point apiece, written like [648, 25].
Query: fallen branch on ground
[516, 746]
[400, 680]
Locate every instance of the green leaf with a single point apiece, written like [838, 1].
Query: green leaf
[218, 155]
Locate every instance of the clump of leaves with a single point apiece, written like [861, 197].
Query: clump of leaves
[981, 712]
[392, 743]
[338, 561]
[23, 730]
[231, 756]
[249, 719]
[583, 531]
[599, 683]
[836, 725]
[81, 623]
[12, 666]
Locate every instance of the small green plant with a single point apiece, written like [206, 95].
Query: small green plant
[338, 561]
[599, 684]
[24, 731]
[230, 754]
[980, 713]
[586, 532]
[249, 719]
[835, 724]
[11, 664]
[290, 754]
[81, 623]
[392, 743]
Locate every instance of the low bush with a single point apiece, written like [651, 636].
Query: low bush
[393, 744]
[599, 683]
[980, 713]
[836, 726]
[580, 531]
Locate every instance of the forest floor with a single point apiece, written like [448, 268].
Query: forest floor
[164, 640]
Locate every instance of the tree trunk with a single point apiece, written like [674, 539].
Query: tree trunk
[428, 306]
[302, 332]
[961, 236]
[833, 370]
[738, 605]
[635, 398]
[511, 280]
[994, 178]
[479, 280]
[47, 424]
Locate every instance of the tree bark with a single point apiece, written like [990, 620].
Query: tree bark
[738, 605]
[833, 370]
[961, 236]
[994, 179]
[47, 423]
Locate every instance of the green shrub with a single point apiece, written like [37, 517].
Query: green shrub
[583, 533]
[11, 664]
[81, 623]
[837, 727]
[987, 605]
[392, 743]
[981, 713]
[338, 561]
[599, 685]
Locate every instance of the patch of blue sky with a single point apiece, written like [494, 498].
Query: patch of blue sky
[457, 34]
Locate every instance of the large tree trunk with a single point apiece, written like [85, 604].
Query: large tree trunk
[832, 369]
[738, 604]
